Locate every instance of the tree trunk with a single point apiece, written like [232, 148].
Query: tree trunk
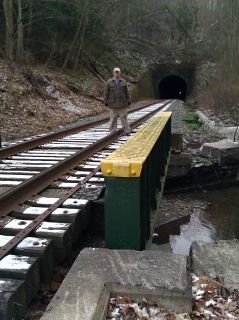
[71, 47]
[75, 37]
[19, 51]
[29, 32]
[7, 6]
[80, 48]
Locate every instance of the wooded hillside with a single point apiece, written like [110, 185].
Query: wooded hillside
[89, 33]
[96, 35]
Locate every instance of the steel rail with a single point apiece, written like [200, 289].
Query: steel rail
[10, 199]
[4, 250]
[24, 191]
[10, 151]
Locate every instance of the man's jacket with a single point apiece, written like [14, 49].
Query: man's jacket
[117, 96]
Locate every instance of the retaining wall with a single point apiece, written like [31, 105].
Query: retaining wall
[231, 133]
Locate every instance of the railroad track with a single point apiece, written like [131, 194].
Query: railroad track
[40, 216]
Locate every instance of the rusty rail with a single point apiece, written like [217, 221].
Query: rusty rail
[19, 194]
[24, 233]
[10, 199]
[10, 151]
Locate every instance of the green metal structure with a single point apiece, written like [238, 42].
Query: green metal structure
[134, 177]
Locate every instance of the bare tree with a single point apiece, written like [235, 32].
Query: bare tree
[77, 35]
[19, 49]
[9, 45]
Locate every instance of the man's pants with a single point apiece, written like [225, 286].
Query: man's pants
[122, 113]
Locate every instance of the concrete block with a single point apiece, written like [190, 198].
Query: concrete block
[68, 215]
[226, 152]
[12, 299]
[41, 248]
[98, 274]
[60, 233]
[35, 247]
[179, 165]
[22, 268]
[177, 140]
[218, 258]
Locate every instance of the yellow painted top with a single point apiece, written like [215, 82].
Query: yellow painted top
[127, 161]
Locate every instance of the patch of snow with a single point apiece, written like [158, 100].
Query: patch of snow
[32, 242]
[12, 262]
[51, 227]
[17, 224]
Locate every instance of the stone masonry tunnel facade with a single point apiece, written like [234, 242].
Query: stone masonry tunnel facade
[172, 81]
[172, 87]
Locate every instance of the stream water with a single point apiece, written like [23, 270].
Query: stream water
[218, 221]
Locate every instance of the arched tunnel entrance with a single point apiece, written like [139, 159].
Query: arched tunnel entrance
[172, 87]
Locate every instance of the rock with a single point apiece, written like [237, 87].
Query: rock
[226, 152]
[179, 165]
[2, 89]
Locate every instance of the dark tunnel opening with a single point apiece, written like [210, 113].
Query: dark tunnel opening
[172, 87]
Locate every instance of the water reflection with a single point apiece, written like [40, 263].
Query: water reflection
[220, 221]
[196, 229]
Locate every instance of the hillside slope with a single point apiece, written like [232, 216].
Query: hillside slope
[36, 100]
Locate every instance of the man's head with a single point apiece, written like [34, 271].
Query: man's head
[116, 72]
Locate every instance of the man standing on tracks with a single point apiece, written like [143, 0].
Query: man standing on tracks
[117, 98]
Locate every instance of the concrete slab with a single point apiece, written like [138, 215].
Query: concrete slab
[226, 152]
[218, 258]
[98, 274]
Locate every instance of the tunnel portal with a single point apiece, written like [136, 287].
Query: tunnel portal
[172, 87]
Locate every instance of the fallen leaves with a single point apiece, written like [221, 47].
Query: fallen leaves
[208, 304]
[125, 308]
[25, 113]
